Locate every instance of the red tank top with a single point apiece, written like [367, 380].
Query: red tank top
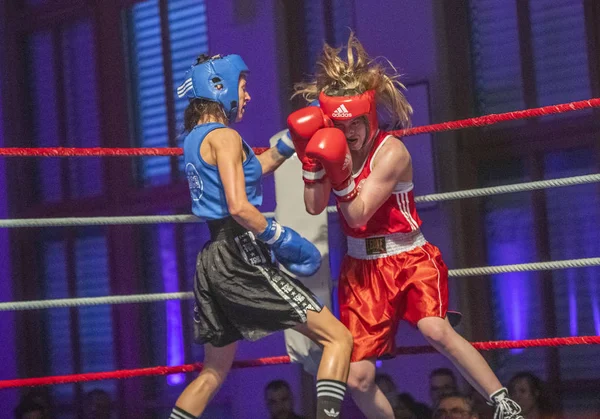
[398, 214]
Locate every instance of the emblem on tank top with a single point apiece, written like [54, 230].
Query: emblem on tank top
[194, 182]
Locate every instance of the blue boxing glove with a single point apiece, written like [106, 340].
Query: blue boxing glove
[284, 145]
[294, 252]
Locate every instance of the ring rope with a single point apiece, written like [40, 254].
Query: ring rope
[517, 187]
[99, 151]
[525, 267]
[175, 151]
[502, 189]
[276, 360]
[466, 123]
[94, 301]
[492, 119]
[145, 298]
[187, 218]
[98, 221]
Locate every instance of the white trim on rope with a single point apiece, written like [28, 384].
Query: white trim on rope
[147, 298]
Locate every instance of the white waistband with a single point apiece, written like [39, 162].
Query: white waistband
[383, 246]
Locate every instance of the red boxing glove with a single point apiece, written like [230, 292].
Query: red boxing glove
[303, 124]
[330, 148]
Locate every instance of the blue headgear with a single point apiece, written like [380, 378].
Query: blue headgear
[216, 79]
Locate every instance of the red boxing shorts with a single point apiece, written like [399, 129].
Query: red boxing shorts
[386, 279]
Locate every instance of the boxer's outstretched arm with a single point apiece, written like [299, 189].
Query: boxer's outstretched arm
[227, 149]
[275, 156]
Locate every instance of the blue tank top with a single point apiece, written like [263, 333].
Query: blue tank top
[206, 188]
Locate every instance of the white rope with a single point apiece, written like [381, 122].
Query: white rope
[146, 298]
[98, 221]
[525, 267]
[502, 189]
[94, 301]
[155, 219]
[104, 221]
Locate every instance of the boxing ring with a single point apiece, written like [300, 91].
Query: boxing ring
[299, 225]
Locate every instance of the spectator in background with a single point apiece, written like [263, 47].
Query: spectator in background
[280, 400]
[409, 408]
[529, 391]
[403, 407]
[403, 404]
[388, 388]
[98, 405]
[442, 381]
[480, 404]
[455, 406]
[29, 410]
[35, 404]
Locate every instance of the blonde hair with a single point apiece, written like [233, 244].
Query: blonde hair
[356, 75]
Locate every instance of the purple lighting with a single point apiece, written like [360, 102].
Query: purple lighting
[572, 295]
[595, 303]
[512, 291]
[514, 304]
[175, 350]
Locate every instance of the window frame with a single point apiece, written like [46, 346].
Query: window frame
[123, 197]
[529, 142]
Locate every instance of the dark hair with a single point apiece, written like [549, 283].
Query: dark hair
[443, 371]
[277, 385]
[36, 394]
[420, 410]
[197, 107]
[384, 377]
[542, 399]
[468, 400]
[202, 58]
[27, 407]
[407, 400]
[97, 392]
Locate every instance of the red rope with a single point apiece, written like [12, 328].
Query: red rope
[145, 372]
[172, 151]
[97, 151]
[501, 117]
[510, 344]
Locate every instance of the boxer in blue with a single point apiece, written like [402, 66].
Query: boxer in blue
[240, 292]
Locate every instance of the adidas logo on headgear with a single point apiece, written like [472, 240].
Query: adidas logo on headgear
[331, 413]
[341, 112]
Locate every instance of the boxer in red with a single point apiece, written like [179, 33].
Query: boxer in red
[390, 271]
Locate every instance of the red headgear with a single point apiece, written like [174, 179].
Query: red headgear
[344, 108]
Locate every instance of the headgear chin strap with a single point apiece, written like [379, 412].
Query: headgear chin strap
[344, 108]
[216, 79]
